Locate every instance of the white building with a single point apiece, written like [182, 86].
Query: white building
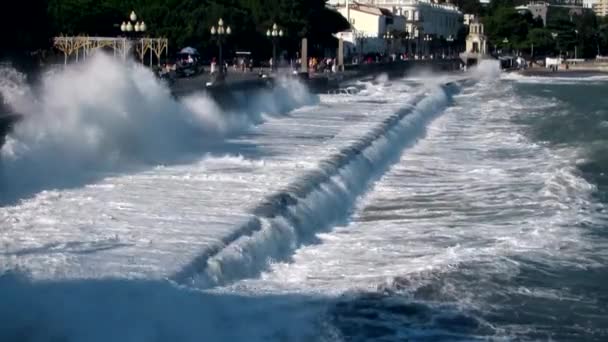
[469, 19]
[369, 24]
[601, 8]
[541, 9]
[538, 9]
[371, 21]
[589, 3]
[421, 16]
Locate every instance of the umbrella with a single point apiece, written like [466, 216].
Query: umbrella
[189, 51]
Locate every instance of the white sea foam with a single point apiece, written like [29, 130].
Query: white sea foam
[342, 179]
[475, 190]
[553, 79]
[164, 214]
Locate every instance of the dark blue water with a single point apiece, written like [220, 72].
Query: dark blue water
[546, 143]
[490, 227]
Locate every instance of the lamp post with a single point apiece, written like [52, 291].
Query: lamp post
[388, 37]
[360, 37]
[412, 53]
[132, 27]
[274, 33]
[428, 39]
[219, 34]
[555, 35]
[450, 40]
[406, 42]
[416, 39]
[576, 45]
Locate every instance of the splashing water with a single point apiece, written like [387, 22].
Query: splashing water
[486, 70]
[104, 116]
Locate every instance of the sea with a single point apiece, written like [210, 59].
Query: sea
[437, 207]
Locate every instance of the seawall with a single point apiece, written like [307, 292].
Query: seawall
[290, 217]
[240, 86]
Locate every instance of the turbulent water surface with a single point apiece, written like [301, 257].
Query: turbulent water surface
[408, 210]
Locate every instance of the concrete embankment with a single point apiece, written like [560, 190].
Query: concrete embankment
[238, 84]
[288, 217]
[402, 68]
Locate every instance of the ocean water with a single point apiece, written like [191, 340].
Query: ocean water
[409, 210]
[493, 227]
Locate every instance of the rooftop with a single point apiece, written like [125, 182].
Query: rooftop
[379, 11]
[378, 4]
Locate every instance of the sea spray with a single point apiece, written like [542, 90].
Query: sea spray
[107, 116]
[486, 70]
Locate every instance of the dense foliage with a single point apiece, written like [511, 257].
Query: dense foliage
[574, 35]
[184, 22]
[187, 23]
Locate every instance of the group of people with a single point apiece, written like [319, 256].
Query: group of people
[215, 68]
[322, 64]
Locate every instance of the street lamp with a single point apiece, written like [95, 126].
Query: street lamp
[219, 34]
[428, 39]
[450, 39]
[505, 42]
[360, 37]
[555, 35]
[274, 33]
[576, 45]
[388, 37]
[406, 42]
[416, 39]
[132, 27]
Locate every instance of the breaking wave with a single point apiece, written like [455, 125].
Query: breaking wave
[106, 116]
[316, 200]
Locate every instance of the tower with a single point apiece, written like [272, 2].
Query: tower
[476, 45]
[477, 42]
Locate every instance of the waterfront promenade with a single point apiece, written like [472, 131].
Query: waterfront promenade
[317, 82]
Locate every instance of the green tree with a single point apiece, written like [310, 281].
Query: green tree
[564, 31]
[17, 35]
[470, 7]
[24, 41]
[541, 41]
[187, 22]
[505, 22]
[601, 36]
[586, 27]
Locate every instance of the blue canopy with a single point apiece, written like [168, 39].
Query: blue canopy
[189, 51]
